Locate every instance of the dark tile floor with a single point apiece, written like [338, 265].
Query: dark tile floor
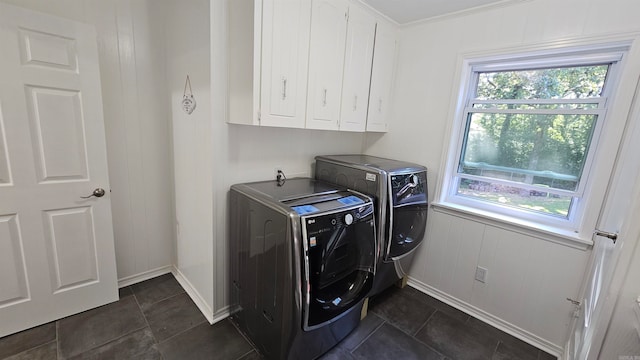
[156, 319]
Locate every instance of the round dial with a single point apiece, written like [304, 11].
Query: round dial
[348, 219]
[414, 180]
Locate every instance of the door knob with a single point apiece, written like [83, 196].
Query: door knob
[99, 192]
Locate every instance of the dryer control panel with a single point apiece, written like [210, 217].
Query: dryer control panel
[408, 188]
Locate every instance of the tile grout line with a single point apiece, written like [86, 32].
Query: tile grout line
[432, 348]
[425, 323]
[495, 350]
[156, 302]
[399, 329]
[117, 338]
[242, 334]
[144, 316]
[58, 355]
[32, 348]
[407, 334]
[108, 342]
[163, 299]
[147, 322]
[368, 336]
[179, 333]
[245, 354]
[425, 344]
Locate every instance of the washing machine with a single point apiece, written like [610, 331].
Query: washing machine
[400, 194]
[303, 257]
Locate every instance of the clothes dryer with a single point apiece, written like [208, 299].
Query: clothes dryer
[400, 194]
[303, 257]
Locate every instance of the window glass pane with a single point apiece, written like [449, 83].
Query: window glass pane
[536, 149]
[556, 106]
[556, 83]
[536, 201]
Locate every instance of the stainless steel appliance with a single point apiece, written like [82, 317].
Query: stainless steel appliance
[303, 257]
[400, 192]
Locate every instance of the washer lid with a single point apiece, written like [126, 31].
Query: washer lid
[292, 189]
[388, 165]
[328, 202]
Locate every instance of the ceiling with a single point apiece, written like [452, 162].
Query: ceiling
[407, 11]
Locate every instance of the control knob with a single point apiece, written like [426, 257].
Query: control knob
[348, 219]
[414, 180]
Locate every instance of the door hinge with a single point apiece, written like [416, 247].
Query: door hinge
[609, 235]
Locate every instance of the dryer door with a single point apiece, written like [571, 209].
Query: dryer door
[408, 226]
[407, 213]
[340, 262]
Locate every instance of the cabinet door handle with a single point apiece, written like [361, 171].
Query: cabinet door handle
[284, 88]
[355, 102]
[324, 97]
[380, 105]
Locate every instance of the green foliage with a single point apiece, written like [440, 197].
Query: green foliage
[555, 83]
[541, 142]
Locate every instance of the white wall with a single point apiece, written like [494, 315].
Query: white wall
[131, 58]
[529, 278]
[188, 53]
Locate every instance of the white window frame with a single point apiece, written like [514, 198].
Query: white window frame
[572, 226]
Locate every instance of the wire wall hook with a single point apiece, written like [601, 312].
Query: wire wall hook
[188, 101]
[280, 178]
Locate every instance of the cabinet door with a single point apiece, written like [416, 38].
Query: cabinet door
[382, 75]
[326, 63]
[361, 30]
[285, 56]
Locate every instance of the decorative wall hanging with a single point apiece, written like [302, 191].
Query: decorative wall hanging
[188, 101]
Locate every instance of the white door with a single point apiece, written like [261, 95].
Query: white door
[382, 74]
[608, 266]
[589, 311]
[361, 30]
[285, 60]
[326, 63]
[56, 249]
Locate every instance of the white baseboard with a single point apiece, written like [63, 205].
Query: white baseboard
[150, 274]
[202, 305]
[223, 313]
[205, 309]
[490, 319]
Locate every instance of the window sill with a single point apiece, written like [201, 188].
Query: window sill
[543, 232]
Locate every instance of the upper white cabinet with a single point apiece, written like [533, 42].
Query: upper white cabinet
[357, 70]
[309, 64]
[342, 39]
[326, 63]
[382, 76]
[285, 57]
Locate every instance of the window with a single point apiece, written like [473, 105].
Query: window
[528, 129]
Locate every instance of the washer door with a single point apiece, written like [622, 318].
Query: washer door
[340, 263]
